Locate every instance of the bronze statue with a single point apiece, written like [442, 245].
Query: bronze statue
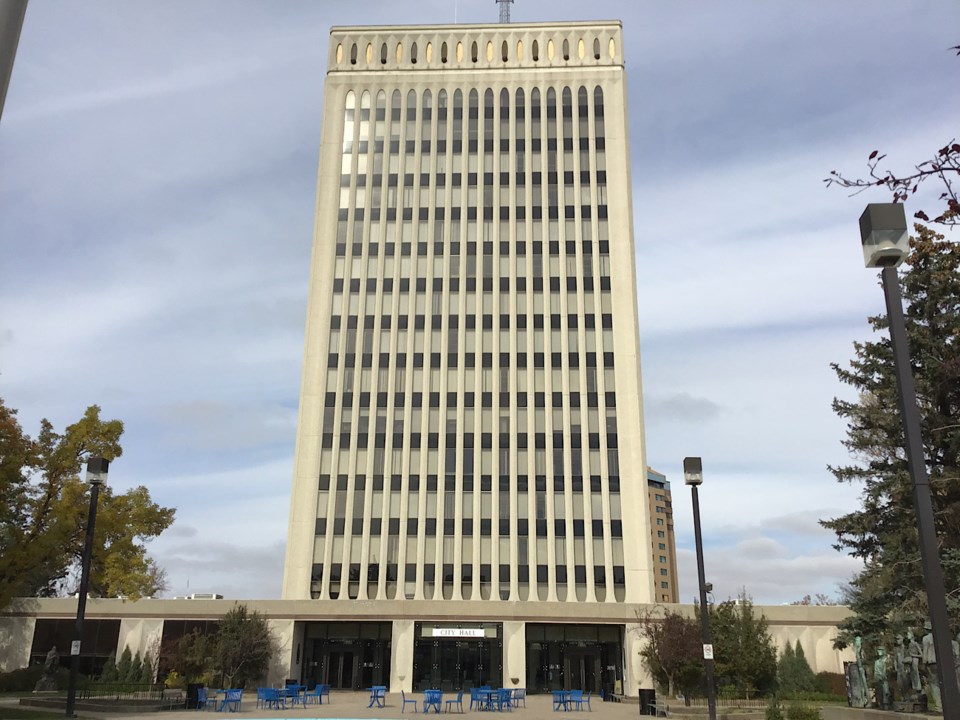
[930, 664]
[900, 667]
[48, 681]
[52, 662]
[860, 695]
[881, 684]
[914, 654]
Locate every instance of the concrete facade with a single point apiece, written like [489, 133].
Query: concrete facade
[470, 449]
[663, 540]
[142, 623]
[512, 257]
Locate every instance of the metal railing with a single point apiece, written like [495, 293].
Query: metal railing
[121, 691]
[751, 704]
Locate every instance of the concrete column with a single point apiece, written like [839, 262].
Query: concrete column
[514, 654]
[285, 663]
[16, 639]
[401, 656]
[635, 675]
[141, 636]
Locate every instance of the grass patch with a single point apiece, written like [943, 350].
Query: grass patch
[22, 713]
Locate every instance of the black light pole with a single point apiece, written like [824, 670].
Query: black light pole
[883, 232]
[11, 22]
[693, 476]
[96, 476]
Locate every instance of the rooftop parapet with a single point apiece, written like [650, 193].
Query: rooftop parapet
[475, 47]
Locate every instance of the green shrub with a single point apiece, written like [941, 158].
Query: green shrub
[21, 680]
[25, 679]
[799, 711]
[774, 710]
[135, 671]
[832, 684]
[817, 697]
[729, 692]
[109, 673]
[175, 680]
[124, 665]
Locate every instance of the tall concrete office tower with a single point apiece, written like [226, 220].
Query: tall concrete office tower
[470, 490]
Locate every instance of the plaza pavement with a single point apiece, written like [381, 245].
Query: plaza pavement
[353, 705]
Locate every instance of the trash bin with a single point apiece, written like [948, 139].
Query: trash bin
[648, 698]
[192, 695]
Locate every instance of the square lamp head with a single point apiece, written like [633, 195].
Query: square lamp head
[97, 470]
[692, 471]
[883, 232]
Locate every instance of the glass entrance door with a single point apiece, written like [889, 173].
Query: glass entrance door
[341, 668]
[582, 669]
[456, 663]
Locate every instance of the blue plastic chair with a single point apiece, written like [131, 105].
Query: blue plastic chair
[403, 696]
[273, 698]
[432, 699]
[313, 696]
[292, 693]
[458, 701]
[519, 696]
[204, 700]
[378, 693]
[231, 700]
[575, 699]
[586, 701]
[560, 700]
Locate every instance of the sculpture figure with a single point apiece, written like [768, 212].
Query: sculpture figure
[956, 656]
[913, 667]
[48, 681]
[930, 665]
[900, 667]
[859, 692]
[881, 685]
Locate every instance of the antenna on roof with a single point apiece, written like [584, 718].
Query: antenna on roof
[504, 10]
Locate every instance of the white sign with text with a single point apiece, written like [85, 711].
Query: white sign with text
[457, 632]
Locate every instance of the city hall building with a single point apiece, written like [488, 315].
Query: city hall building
[470, 435]
[471, 502]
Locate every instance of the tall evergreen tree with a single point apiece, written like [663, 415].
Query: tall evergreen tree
[889, 593]
[136, 668]
[786, 670]
[794, 674]
[148, 669]
[109, 672]
[806, 679]
[124, 665]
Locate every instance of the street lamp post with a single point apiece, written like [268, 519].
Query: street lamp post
[96, 476]
[693, 476]
[883, 232]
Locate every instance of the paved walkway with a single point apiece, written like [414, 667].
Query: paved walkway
[348, 705]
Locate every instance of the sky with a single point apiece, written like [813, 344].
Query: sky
[158, 167]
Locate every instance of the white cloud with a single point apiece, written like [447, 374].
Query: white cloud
[156, 207]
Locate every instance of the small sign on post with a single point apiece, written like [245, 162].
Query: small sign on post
[75, 647]
[707, 652]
